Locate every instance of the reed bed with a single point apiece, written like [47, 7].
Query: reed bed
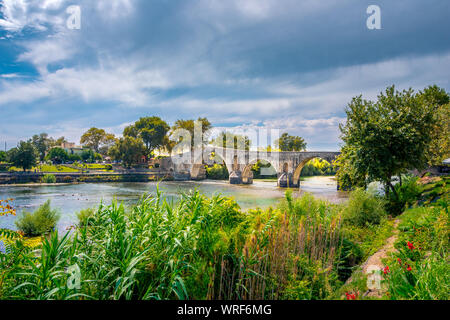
[196, 248]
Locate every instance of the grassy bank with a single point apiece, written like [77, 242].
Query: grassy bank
[208, 248]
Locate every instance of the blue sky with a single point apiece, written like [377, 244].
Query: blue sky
[285, 64]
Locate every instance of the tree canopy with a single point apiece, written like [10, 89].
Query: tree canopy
[57, 155]
[387, 137]
[189, 125]
[24, 156]
[291, 143]
[239, 141]
[151, 130]
[128, 149]
[97, 139]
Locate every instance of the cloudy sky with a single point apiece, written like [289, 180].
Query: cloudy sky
[292, 65]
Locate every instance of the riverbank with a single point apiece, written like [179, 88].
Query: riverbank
[20, 178]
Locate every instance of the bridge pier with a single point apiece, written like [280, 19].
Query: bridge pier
[235, 177]
[286, 180]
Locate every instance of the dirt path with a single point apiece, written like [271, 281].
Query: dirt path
[374, 262]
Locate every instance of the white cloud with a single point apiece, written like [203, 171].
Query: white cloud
[35, 14]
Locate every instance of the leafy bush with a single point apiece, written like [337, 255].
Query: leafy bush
[38, 223]
[85, 216]
[217, 172]
[407, 193]
[48, 178]
[363, 208]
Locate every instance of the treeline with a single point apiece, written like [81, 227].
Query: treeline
[140, 140]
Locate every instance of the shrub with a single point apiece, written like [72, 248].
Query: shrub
[217, 172]
[85, 216]
[48, 178]
[363, 208]
[407, 193]
[38, 223]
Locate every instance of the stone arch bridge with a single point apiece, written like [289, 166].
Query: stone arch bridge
[288, 165]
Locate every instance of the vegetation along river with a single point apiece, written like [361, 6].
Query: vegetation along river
[71, 198]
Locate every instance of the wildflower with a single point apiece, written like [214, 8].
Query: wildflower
[399, 261]
[386, 270]
[350, 296]
[410, 246]
[409, 268]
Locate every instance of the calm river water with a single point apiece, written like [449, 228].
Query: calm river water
[71, 198]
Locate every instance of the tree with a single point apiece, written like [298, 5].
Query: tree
[291, 143]
[386, 138]
[239, 141]
[3, 156]
[97, 139]
[128, 149]
[42, 142]
[24, 155]
[151, 130]
[88, 155]
[438, 99]
[58, 142]
[57, 155]
[189, 125]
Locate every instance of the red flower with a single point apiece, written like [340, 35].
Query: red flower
[408, 268]
[410, 246]
[350, 296]
[386, 270]
[399, 261]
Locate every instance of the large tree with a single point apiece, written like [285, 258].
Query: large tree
[239, 141]
[24, 155]
[151, 130]
[97, 139]
[385, 138]
[438, 99]
[291, 143]
[57, 155]
[189, 125]
[128, 149]
[42, 142]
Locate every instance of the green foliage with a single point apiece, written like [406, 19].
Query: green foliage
[387, 137]
[24, 156]
[232, 141]
[217, 172]
[57, 155]
[318, 167]
[256, 169]
[48, 178]
[97, 139]
[419, 269]
[363, 208]
[3, 156]
[84, 216]
[38, 223]
[128, 149]
[189, 126]
[291, 143]
[42, 143]
[406, 194]
[152, 131]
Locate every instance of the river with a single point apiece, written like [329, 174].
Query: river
[70, 198]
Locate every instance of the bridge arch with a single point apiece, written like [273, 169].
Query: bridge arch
[299, 168]
[247, 173]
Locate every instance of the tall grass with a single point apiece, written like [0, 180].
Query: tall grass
[198, 248]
